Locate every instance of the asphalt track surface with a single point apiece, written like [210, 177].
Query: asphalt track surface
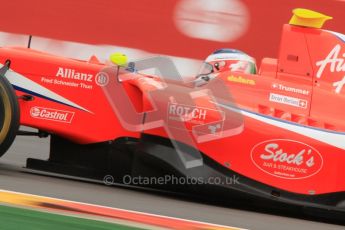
[13, 177]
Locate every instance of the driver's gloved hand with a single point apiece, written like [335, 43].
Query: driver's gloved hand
[200, 81]
[205, 78]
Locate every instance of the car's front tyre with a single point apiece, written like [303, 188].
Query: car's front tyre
[9, 115]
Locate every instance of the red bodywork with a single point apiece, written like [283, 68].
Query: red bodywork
[293, 137]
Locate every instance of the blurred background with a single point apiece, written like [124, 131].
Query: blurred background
[187, 30]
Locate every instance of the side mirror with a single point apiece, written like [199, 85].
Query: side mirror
[119, 59]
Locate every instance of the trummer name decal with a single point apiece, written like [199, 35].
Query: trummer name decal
[73, 74]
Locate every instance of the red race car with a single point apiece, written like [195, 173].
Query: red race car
[276, 133]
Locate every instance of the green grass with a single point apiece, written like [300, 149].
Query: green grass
[12, 218]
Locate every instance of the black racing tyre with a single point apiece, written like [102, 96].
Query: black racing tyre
[9, 115]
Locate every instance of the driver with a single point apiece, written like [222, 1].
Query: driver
[225, 60]
[233, 60]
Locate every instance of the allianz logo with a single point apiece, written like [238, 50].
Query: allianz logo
[73, 74]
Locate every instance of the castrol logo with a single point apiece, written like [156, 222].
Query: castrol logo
[287, 159]
[51, 114]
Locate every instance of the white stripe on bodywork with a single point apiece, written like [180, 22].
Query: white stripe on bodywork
[339, 35]
[21, 81]
[332, 138]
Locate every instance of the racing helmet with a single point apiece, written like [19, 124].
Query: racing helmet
[231, 60]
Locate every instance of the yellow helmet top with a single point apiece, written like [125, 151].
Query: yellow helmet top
[118, 59]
